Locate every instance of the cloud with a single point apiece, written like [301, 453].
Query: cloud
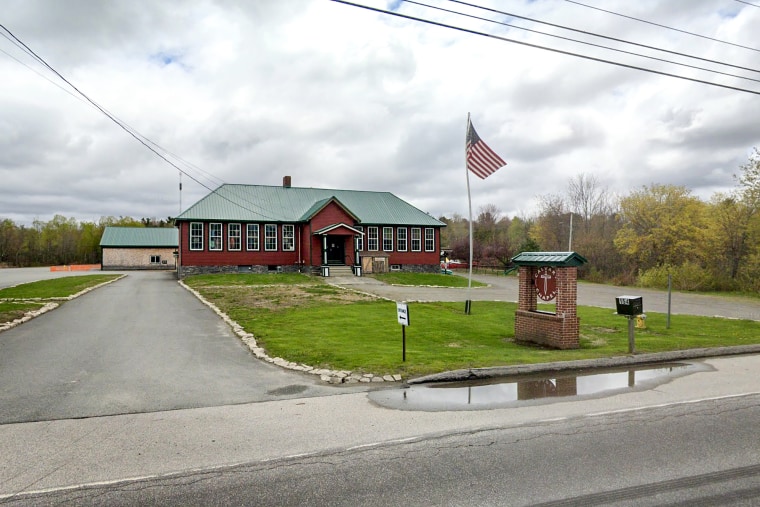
[340, 97]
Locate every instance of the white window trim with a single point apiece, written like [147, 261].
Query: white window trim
[419, 239]
[191, 235]
[370, 230]
[266, 236]
[432, 239]
[400, 240]
[248, 229]
[292, 229]
[389, 231]
[230, 237]
[360, 239]
[220, 247]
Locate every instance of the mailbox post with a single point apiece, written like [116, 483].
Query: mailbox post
[630, 307]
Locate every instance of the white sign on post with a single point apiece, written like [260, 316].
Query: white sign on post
[402, 310]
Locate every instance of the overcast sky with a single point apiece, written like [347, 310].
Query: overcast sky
[341, 97]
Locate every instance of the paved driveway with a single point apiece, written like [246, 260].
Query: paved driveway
[141, 344]
[504, 288]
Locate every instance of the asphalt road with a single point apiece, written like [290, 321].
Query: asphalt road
[696, 454]
[142, 344]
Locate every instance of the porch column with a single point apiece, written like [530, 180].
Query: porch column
[324, 250]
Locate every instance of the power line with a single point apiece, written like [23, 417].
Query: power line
[618, 50]
[40, 74]
[747, 3]
[665, 26]
[537, 46]
[603, 36]
[147, 143]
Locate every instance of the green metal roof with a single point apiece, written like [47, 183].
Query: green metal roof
[127, 237]
[561, 259]
[259, 203]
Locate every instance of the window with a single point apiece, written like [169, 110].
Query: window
[233, 236]
[360, 239]
[270, 237]
[372, 238]
[416, 239]
[387, 239]
[155, 259]
[196, 236]
[252, 236]
[401, 239]
[214, 236]
[288, 238]
[429, 239]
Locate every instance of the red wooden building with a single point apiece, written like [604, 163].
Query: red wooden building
[256, 228]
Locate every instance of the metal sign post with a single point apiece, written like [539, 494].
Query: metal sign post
[402, 312]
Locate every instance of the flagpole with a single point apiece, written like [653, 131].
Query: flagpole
[468, 302]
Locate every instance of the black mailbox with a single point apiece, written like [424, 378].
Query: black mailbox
[629, 305]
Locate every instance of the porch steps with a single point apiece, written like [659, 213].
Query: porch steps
[341, 271]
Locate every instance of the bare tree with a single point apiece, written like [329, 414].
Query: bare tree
[587, 198]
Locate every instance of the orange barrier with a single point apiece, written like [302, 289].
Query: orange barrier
[76, 267]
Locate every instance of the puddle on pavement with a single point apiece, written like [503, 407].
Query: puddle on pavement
[501, 392]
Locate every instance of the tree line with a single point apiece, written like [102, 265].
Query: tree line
[61, 240]
[639, 238]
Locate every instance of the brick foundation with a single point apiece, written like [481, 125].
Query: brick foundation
[204, 270]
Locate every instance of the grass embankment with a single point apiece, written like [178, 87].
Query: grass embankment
[305, 320]
[18, 300]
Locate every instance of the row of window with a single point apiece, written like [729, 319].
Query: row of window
[402, 239]
[253, 238]
[234, 237]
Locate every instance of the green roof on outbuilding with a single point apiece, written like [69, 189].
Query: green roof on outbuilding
[561, 259]
[135, 237]
[260, 203]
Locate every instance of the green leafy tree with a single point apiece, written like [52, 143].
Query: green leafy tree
[734, 225]
[661, 224]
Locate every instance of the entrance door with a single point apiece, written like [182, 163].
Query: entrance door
[336, 250]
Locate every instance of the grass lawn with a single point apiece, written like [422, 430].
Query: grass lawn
[307, 321]
[428, 279]
[55, 288]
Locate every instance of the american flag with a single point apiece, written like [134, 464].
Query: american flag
[481, 159]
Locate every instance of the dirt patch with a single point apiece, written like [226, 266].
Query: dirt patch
[604, 330]
[280, 297]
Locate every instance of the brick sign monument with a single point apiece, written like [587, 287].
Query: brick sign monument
[548, 276]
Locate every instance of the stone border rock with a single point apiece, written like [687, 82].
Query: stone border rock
[28, 316]
[329, 376]
[51, 305]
